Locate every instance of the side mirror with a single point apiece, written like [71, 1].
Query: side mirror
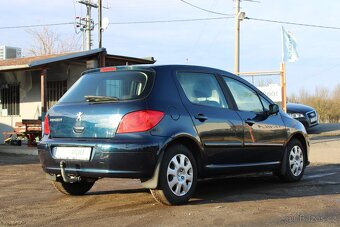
[273, 109]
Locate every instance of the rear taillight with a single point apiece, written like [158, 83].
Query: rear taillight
[139, 121]
[46, 126]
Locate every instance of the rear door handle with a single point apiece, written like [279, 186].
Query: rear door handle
[250, 122]
[201, 117]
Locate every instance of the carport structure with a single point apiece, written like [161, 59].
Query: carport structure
[30, 86]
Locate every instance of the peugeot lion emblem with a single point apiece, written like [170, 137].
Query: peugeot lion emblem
[79, 115]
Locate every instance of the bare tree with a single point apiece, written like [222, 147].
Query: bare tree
[336, 92]
[336, 104]
[47, 41]
[326, 103]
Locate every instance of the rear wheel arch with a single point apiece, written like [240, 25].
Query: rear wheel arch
[189, 143]
[177, 176]
[193, 146]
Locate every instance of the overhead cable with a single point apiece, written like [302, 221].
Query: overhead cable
[206, 10]
[122, 23]
[170, 21]
[179, 20]
[36, 25]
[293, 23]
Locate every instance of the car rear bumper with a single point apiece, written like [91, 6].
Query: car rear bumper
[134, 158]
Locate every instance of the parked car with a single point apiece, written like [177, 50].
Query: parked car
[167, 126]
[303, 113]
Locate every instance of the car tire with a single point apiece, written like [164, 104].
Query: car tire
[295, 161]
[178, 176]
[76, 188]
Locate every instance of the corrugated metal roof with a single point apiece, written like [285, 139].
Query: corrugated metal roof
[36, 61]
[67, 57]
[25, 61]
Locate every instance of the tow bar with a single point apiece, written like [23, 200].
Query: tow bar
[67, 178]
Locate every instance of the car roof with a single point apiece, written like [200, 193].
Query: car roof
[178, 67]
[159, 67]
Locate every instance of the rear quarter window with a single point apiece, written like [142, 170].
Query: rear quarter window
[123, 85]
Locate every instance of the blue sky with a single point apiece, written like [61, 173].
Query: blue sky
[208, 43]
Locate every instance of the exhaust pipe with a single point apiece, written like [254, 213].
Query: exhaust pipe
[67, 178]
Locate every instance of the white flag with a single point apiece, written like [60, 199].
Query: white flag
[289, 53]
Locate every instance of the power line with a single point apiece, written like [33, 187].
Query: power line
[177, 20]
[293, 23]
[36, 25]
[206, 10]
[120, 23]
[263, 20]
[170, 21]
[202, 28]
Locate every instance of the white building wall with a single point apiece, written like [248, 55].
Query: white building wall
[30, 104]
[30, 94]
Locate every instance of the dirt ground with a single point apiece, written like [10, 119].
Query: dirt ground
[28, 199]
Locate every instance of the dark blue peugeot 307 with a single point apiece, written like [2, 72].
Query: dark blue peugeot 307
[167, 126]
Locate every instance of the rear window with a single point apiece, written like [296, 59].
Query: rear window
[120, 85]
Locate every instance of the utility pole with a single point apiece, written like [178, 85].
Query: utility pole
[239, 16]
[100, 29]
[88, 26]
[237, 39]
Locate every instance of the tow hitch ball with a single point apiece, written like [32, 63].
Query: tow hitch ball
[67, 178]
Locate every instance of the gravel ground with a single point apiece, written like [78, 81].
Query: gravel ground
[28, 199]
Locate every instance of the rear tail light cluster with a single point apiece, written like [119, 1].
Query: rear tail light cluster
[46, 126]
[139, 121]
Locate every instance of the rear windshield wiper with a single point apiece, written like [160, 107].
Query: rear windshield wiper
[95, 98]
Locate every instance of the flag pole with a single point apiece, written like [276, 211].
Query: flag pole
[282, 46]
[283, 74]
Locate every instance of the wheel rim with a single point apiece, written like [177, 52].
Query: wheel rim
[180, 174]
[296, 160]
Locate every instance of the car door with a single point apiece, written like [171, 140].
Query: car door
[219, 127]
[264, 134]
